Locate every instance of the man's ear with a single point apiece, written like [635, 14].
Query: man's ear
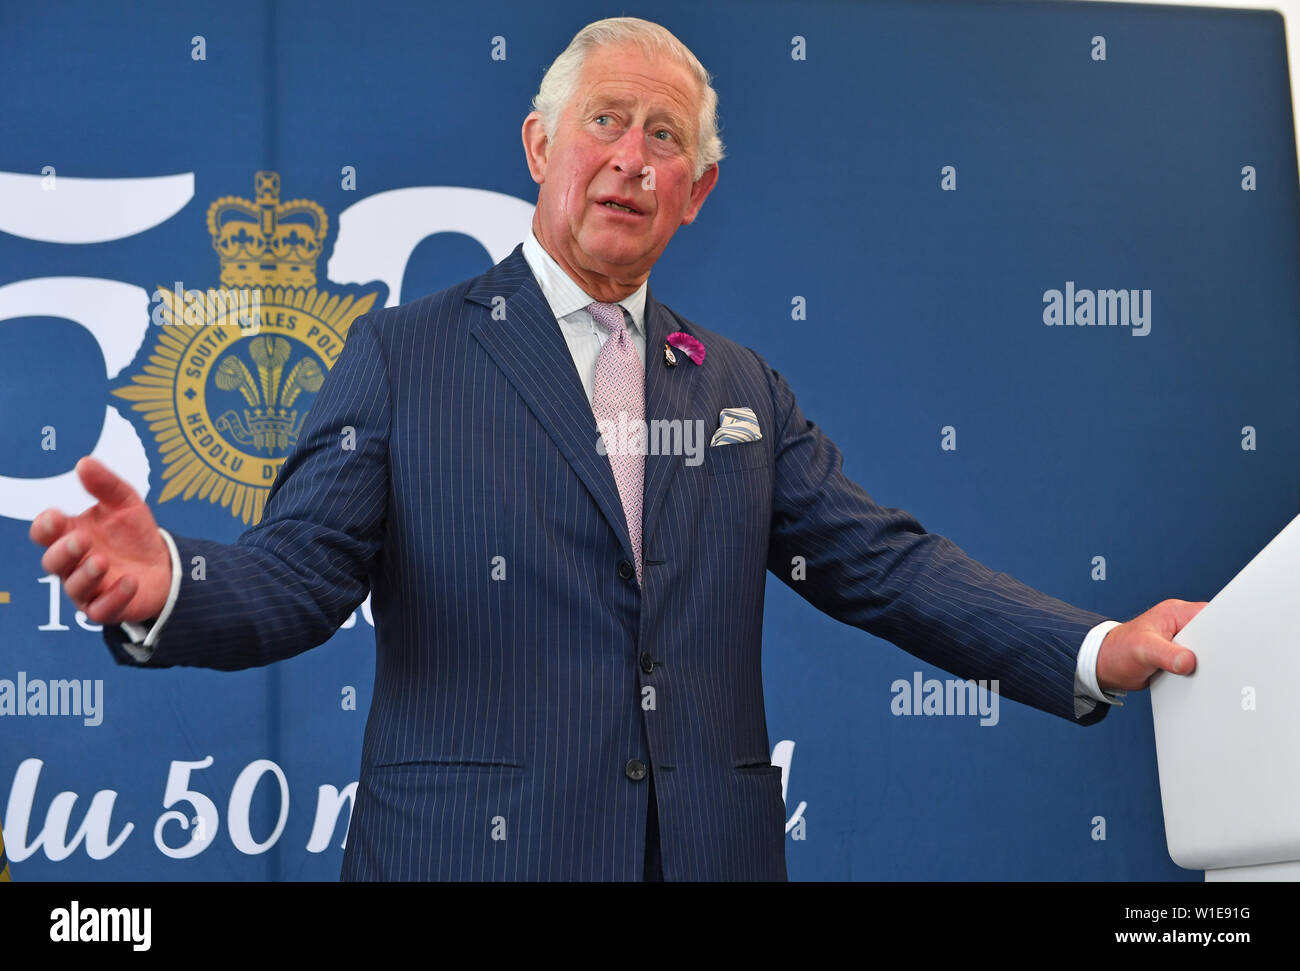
[699, 192]
[536, 146]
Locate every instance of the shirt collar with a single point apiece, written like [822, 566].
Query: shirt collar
[566, 297]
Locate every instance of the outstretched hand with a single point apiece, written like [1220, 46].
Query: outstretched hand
[112, 560]
[1131, 653]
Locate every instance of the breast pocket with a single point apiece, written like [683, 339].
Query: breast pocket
[725, 459]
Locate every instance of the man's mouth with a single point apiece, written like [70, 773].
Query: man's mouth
[620, 207]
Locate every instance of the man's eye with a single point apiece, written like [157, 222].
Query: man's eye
[599, 117]
[663, 131]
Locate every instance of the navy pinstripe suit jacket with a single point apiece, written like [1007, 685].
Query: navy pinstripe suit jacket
[522, 698]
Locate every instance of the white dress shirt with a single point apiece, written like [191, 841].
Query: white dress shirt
[569, 304]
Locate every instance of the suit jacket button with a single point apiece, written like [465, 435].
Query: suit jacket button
[626, 570]
[647, 662]
[634, 770]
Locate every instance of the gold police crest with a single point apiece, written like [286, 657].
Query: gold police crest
[231, 375]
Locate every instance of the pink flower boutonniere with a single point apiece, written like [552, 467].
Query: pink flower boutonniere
[685, 343]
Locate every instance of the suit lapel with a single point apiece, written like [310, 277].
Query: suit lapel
[669, 395]
[531, 351]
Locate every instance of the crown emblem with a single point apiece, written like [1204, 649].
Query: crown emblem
[267, 242]
[229, 379]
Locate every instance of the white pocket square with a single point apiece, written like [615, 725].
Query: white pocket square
[736, 425]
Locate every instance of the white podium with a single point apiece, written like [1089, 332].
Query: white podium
[1228, 736]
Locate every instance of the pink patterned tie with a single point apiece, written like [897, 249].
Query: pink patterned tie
[618, 402]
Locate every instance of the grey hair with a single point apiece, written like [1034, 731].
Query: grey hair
[561, 79]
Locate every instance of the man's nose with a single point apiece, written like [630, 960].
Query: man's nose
[629, 152]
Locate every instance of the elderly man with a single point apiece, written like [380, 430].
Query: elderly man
[568, 621]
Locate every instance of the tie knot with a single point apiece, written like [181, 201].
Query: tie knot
[609, 316]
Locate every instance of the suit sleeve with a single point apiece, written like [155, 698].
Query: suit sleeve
[877, 569]
[287, 583]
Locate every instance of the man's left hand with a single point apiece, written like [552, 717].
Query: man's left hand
[1131, 653]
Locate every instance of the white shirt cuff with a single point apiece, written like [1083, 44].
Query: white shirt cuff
[144, 640]
[1087, 693]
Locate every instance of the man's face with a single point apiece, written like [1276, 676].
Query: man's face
[629, 135]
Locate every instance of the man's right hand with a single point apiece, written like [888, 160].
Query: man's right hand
[112, 560]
